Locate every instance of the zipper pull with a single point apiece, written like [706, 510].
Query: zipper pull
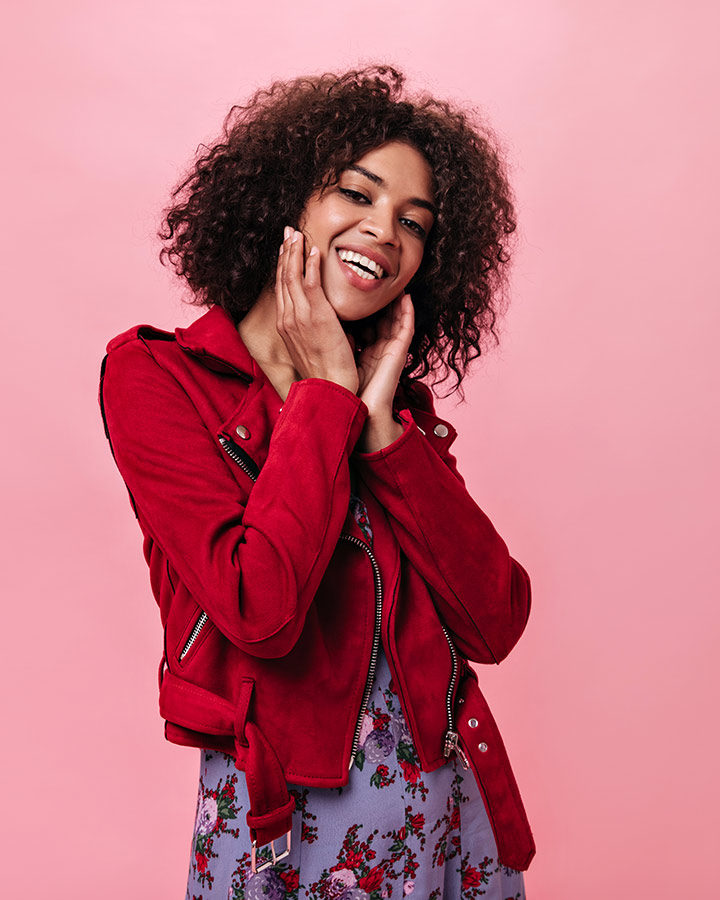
[451, 744]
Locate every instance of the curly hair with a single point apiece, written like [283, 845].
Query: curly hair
[225, 224]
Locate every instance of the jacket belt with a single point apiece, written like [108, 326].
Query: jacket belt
[491, 767]
[194, 707]
[271, 806]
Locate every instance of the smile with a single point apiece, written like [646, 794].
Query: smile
[361, 265]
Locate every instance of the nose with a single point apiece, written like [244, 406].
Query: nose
[382, 226]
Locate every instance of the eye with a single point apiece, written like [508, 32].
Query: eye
[415, 226]
[354, 195]
[358, 197]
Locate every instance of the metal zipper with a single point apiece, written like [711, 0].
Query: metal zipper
[451, 735]
[375, 645]
[239, 456]
[195, 633]
[249, 466]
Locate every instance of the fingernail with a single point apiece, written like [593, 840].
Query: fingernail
[313, 252]
[295, 237]
[286, 233]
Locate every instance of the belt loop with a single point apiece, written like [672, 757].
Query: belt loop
[271, 806]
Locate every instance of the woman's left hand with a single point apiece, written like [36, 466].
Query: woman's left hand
[381, 362]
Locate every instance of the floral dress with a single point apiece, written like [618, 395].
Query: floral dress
[393, 830]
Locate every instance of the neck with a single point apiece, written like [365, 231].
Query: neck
[260, 335]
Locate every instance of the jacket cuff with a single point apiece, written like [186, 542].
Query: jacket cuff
[328, 401]
[409, 426]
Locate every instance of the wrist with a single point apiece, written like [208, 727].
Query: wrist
[380, 430]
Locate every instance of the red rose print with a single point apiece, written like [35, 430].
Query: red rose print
[291, 879]
[381, 722]
[410, 771]
[372, 881]
[353, 859]
[201, 862]
[417, 822]
[455, 818]
[471, 877]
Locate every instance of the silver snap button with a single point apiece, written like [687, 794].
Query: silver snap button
[482, 747]
[473, 723]
[441, 430]
[242, 432]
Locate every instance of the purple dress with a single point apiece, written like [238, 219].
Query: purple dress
[393, 830]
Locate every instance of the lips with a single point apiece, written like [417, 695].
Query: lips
[357, 281]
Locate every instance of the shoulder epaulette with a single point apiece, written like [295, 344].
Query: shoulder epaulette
[144, 332]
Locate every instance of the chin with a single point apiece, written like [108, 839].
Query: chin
[353, 313]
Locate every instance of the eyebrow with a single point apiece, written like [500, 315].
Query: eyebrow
[376, 179]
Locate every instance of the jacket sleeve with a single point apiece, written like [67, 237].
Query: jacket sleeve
[252, 558]
[481, 593]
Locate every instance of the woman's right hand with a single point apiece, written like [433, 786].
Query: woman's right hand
[307, 323]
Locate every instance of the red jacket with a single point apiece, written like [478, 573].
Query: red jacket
[273, 604]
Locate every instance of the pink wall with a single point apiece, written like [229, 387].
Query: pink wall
[588, 438]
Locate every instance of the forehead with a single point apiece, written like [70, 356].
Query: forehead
[402, 167]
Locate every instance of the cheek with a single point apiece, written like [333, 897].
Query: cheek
[324, 220]
[412, 264]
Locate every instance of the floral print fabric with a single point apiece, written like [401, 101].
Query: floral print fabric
[392, 831]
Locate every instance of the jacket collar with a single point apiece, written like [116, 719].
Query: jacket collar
[214, 338]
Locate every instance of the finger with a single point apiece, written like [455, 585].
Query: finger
[293, 281]
[312, 281]
[319, 307]
[385, 325]
[400, 326]
[287, 299]
[405, 318]
[279, 297]
[318, 304]
[284, 259]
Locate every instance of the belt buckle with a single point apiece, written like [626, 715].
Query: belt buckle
[275, 857]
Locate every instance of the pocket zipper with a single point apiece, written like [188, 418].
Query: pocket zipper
[195, 633]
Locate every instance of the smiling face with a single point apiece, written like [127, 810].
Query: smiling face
[373, 222]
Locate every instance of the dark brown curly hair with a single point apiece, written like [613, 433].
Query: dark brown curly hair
[225, 225]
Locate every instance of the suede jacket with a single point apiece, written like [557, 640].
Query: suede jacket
[273, 603]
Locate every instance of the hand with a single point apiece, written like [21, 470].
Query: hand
[306, 321]
[380, 363]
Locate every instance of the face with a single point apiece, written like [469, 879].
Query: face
[371, 228]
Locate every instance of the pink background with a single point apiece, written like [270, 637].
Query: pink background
[588, 437]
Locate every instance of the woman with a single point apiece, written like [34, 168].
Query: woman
[322, 573]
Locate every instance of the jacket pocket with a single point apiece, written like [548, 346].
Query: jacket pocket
[195, 633]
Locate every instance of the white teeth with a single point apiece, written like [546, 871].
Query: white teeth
[350, 256]
[361, 272]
